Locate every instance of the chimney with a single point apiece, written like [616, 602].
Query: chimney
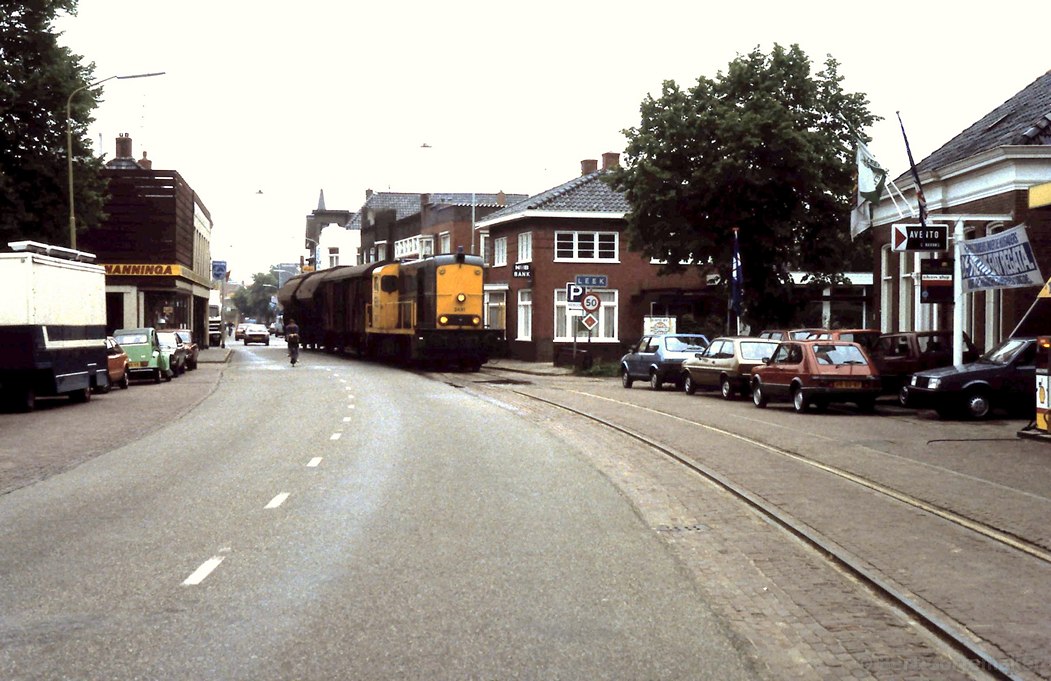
[501, 198]
[610, 160]
[588, 166]
[145, 163]
[368, 194]
[124, 146]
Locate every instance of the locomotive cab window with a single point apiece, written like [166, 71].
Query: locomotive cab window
[388, 283]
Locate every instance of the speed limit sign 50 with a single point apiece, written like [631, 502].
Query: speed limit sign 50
[590, 303]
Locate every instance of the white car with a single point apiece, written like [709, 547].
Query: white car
[256, 333]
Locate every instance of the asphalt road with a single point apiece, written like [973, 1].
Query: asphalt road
[335, 520]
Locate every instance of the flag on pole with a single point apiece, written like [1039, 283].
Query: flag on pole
[736, 279]
[872, 180]
[921, 200]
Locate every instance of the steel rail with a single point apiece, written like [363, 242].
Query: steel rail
[950, 632]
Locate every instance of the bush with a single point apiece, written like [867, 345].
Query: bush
[600, 369]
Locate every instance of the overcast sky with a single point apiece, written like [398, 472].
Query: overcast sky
[292, 98]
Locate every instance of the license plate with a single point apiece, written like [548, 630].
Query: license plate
[848, 385]
[141, 364]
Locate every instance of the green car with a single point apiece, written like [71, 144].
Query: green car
[145, 358]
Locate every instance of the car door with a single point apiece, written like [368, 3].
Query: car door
[786, 364]
[708, 373]
[1019, 383]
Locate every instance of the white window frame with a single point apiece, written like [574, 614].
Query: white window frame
[886, 310]
[333, 256]
[496, 298]
[483, 246]
[500, 251]
[445, 240]
[582, 237]
[607, 330]
[525, 315]
[525, 247]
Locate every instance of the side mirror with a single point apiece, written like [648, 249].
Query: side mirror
[766, 360]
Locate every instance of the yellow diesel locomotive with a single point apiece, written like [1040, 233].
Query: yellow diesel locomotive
[425, 311]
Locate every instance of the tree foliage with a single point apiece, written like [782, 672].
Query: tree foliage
[766, 147]
[37, 75]
[254, 300]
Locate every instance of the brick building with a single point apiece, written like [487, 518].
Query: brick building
[986, 170]
[537, 245]
[155, 245]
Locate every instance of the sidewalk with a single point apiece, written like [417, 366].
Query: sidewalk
[214, 355]
[520, 367]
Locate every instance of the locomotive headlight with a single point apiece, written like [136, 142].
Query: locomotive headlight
[461, 297]
[443, 319]
[476, 320]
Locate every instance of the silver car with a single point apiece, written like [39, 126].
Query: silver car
[726, 364]
[658, 359]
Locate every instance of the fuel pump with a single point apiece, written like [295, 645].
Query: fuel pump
[1043, 384]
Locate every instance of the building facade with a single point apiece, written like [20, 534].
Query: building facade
[155, 245]
[570, 234]
[983, 175]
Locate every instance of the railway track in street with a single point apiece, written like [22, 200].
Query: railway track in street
[987, 659]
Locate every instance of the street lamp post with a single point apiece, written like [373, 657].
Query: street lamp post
[69, 145]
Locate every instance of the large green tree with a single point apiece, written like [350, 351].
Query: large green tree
[254, 300]
[37, 75]
[766, 147]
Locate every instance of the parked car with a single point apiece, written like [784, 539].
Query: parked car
[817, 373]
[192, 350]
[726, 364]
[175, 350]
[256, 333]
[116, 365]
[239, 331]
[899, 355]
[1003, 378]
[145, 358]
[787, 334]
[658, 359]
[866, 338]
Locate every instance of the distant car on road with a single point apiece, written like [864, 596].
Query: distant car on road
[239, 331]
[192, 350]
[659, 358]
[256, 333]
[817, 373]
[726, 364]
[145, 357]
[1004, 378]
[173, 346]
[866, 338]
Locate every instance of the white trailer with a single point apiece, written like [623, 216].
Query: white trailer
[52, 324]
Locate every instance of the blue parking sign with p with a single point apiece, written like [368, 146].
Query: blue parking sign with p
[218, 269]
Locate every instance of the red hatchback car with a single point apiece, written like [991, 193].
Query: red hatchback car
[817, 372]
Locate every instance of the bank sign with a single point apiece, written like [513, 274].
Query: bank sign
[144, 270]
[1003, 260]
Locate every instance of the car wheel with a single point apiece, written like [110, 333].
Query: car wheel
[124, 382]
[268, 342]
[727, 389]
[688, 385]
[800, 401]
[758, 395]
[903, 396]
[977, 404]
[157, 375]
[79, 396]
[655, 381]
[625, 378]
[168, 375]
[28, 402]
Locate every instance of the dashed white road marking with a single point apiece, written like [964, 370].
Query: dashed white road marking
[313, 463]
[202, 572]
[346, 419]
[278, 500]
[336, 436]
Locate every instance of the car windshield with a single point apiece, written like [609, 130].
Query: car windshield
[133, 339]
[1005, 352]
[685, 343]
[256, 328]
[751, 350]
[835, 355]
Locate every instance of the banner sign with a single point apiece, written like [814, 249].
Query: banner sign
[1003, 260]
